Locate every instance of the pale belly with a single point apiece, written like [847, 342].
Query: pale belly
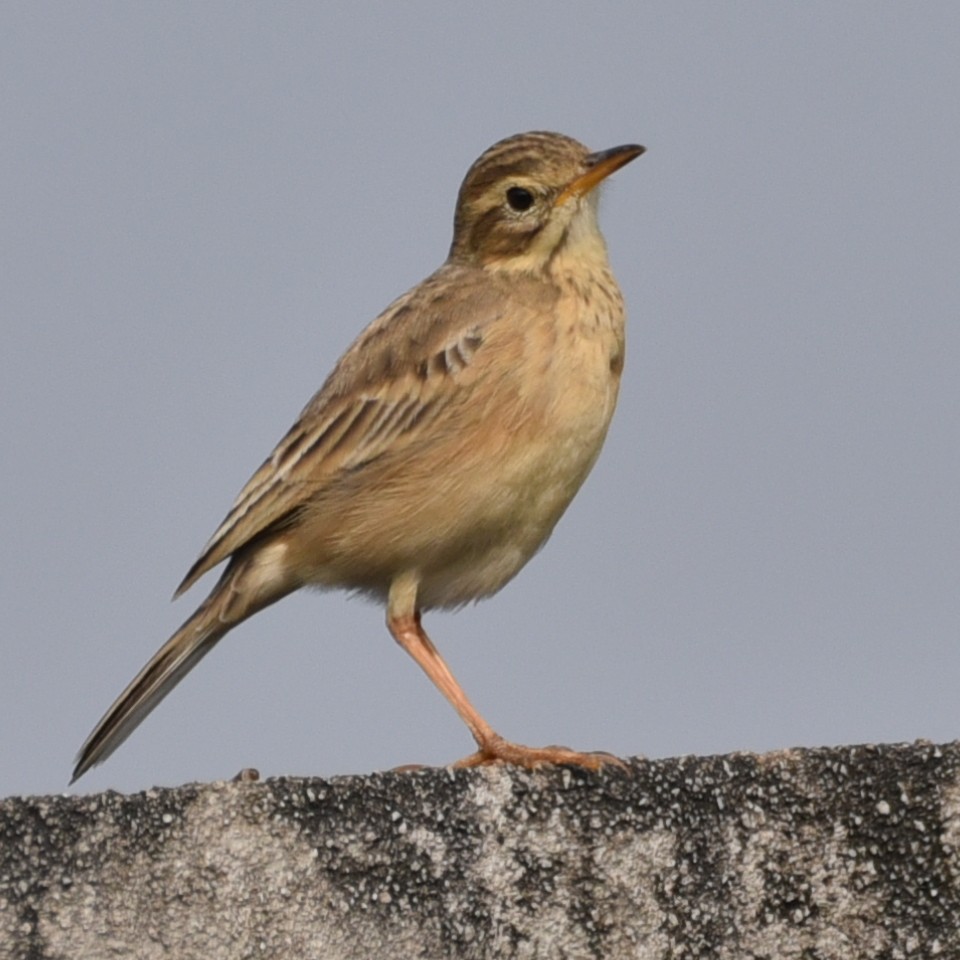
[513, 506]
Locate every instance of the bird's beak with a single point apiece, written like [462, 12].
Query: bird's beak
[599, 166]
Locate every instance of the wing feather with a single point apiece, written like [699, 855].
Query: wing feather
[377, 399]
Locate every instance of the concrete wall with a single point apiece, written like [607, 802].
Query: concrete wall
[815, 854]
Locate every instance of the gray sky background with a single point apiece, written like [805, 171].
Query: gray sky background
[202, 205]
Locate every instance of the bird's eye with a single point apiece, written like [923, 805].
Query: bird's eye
[519, 198]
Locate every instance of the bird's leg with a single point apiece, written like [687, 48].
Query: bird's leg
[408, 632]
[492, 748]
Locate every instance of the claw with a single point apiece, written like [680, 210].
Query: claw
[498, 750]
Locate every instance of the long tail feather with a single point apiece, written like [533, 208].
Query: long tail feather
[228, 604]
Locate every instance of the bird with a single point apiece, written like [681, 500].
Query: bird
[446, 443]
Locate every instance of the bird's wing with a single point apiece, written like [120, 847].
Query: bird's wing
[406, 370]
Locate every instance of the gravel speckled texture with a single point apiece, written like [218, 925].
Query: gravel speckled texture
[815, 854]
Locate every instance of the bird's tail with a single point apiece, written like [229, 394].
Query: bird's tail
[231, 601]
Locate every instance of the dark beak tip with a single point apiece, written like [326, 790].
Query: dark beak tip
[626, 152]
[630, 150]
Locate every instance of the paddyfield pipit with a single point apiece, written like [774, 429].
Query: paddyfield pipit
[445, 445]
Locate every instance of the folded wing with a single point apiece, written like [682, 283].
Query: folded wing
[365, 410]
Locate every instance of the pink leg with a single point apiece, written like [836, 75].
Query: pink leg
[492, 748]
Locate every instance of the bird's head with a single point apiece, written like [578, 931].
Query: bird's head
[530, 196]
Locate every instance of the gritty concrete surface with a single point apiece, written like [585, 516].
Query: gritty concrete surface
[816, 854]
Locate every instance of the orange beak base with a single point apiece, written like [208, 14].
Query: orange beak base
[601, 165]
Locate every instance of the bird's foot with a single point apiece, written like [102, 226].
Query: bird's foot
[498, 750]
